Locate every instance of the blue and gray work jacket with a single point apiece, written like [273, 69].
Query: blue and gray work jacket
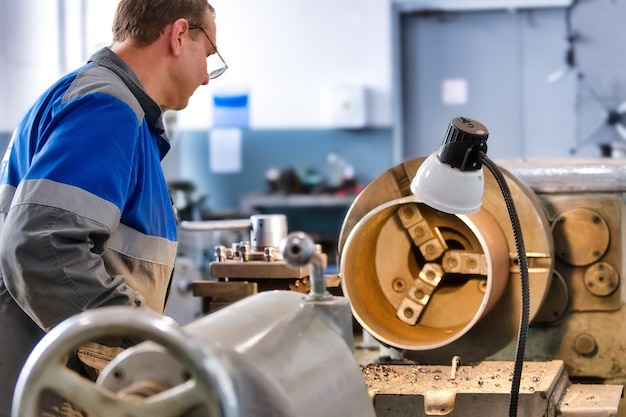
[86, 216]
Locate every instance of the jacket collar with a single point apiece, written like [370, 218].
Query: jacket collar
[153, 112]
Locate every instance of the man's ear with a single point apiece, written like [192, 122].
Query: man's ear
[178, 35]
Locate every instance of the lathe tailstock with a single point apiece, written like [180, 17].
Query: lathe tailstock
[273, 354]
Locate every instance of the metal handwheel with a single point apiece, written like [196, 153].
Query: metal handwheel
[209, 385]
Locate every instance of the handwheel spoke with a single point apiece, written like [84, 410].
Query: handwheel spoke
[174, 401]
[84, 394]
[102, 403]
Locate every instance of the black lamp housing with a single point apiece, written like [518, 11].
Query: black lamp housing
[462, 143]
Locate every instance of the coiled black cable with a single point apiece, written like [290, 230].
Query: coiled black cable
[523, 267]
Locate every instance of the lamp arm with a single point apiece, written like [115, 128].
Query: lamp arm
[523, 267]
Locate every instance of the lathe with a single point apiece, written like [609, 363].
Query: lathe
[439, 293]
[444, 290]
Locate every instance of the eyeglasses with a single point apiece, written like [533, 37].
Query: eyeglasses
[219, 68]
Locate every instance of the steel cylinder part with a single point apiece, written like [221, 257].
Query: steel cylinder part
[267, 230]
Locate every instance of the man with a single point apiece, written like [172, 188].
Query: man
[87, 218]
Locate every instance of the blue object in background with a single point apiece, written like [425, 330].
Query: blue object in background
[230, 110]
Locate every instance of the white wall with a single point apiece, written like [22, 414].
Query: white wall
[290, 53]
[287, 53]
[29, 55]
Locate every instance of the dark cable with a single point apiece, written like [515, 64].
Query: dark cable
[572, 36]
[523, 267]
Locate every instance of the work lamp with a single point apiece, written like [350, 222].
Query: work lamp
[451, 180]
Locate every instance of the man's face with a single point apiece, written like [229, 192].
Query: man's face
[192, 70]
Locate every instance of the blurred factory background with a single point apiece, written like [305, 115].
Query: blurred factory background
[373, 81]
[322, 97]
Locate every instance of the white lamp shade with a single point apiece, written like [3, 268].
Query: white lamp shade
[448, 189]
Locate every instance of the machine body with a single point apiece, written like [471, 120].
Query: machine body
[572, 217]
[440, 291]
